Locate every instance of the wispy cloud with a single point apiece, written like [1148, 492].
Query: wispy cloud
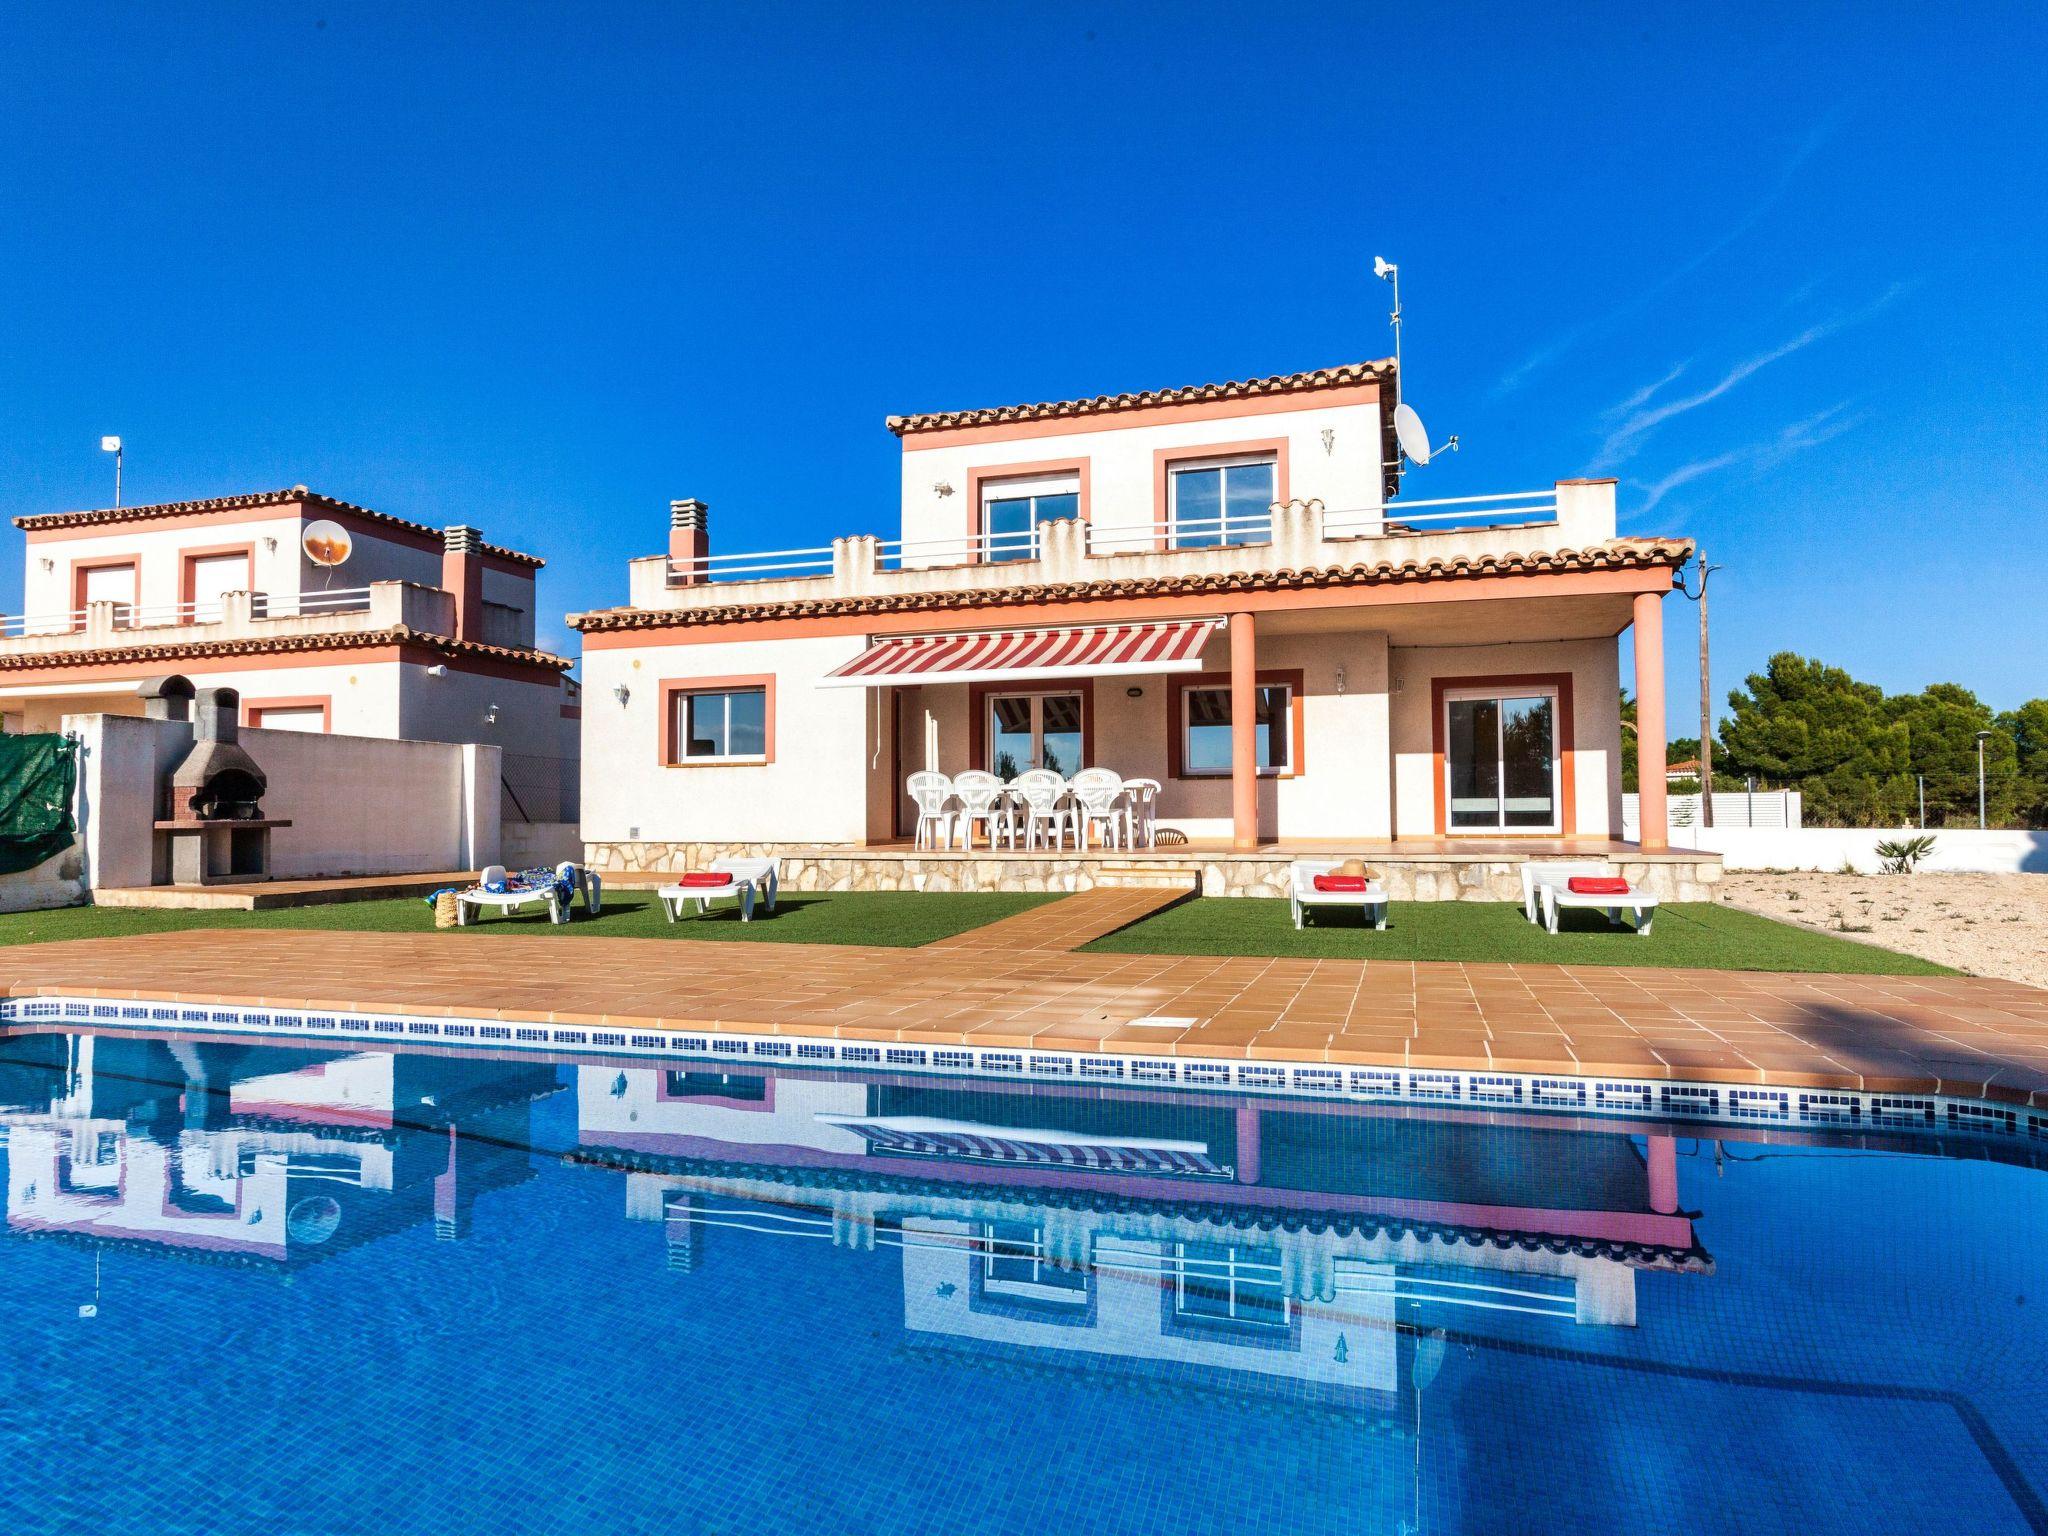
[1643, 396]
[1765, 453]
[1636, 418]
[1575, 336]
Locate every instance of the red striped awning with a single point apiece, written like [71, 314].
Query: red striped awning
[999, 655]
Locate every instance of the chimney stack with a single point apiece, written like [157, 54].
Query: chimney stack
[689, 541]
[462, 575]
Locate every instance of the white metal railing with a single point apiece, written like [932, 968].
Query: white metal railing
[1440, 514]
[263, 605]
[1462, 511]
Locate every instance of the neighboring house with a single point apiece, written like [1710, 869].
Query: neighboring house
[419, 633]
[1681, 771]
[1206, 586]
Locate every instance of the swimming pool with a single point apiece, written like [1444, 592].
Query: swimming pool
[300, 1287]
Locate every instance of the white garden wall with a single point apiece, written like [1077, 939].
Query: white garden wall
[1830, 848]
[358, 805]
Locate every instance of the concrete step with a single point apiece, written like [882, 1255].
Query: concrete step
[1151, 874]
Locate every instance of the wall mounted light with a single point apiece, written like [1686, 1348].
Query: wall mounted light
[1329, 441]
[942, 487]
[1340, 679]
[269, 544]
[438, 669]
[48, 564]
[622, 693]
[490, 714]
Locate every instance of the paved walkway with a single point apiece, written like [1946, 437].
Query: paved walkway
[1070, 922]
[1957, 1035]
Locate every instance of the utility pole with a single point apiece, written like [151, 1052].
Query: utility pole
[1706, 694]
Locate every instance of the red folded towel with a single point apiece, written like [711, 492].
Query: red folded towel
[1596, 885]
[1341, 882]
[706, 877]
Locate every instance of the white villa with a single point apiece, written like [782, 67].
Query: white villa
[1211, 588]
[397, 630]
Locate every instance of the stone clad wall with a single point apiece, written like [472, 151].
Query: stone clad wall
[1441, 878]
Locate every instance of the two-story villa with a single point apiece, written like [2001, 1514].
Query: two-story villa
[1210, 587]
[368, 625]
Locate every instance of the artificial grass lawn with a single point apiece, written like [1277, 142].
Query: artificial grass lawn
[868, 917]
[1685, 934]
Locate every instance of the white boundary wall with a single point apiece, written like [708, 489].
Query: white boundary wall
[1956, 851]
[359, 805]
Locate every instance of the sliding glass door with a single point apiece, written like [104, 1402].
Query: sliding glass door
[1034, 730]
[1500, 757]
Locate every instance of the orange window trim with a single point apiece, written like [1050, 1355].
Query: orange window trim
[672, 686]
[1166, 460]
[1567, 766]
[188, 575]
[1176, 720]
[978, 695]
[252, 709]
[79, 568]
[977, 481]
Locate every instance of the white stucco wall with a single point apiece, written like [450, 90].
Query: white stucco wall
[160, 551]
[815, 790]
[339, 792]
[278, 562]
[1594, 666]
[1121, 487]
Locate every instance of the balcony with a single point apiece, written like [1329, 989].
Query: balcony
[1293, 535]
[235, 616]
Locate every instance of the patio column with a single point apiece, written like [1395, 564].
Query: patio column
[1244, 722]
[1652, 828]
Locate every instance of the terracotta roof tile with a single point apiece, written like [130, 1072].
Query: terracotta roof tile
[1186, 394]
[297, 493]
[1613, 555]
[337, 640]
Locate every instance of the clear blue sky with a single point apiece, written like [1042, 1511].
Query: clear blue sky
[544, 268]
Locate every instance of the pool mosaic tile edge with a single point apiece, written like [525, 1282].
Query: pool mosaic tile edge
[1673, 1099]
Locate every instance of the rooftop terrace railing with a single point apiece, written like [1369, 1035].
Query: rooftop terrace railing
[1244, 530]
[263, 605]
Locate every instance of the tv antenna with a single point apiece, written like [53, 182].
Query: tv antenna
[1409, 431]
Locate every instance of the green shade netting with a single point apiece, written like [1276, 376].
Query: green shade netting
[37, 776]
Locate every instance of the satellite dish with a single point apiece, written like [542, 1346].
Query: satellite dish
[1410, 433]
[327, 543]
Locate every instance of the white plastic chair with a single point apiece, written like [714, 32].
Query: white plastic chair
[983, 799]
[1141, 799]
[1099, 802]
[932, 793]
[1044, 795]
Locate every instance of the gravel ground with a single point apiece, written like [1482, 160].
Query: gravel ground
[1988, 925]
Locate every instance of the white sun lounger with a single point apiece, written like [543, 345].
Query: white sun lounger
[1302, 893]
[471, 903]
[1535, 876]
[752, 879]
[1556, 896]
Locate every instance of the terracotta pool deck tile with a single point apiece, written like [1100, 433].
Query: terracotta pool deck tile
[1892, 1034]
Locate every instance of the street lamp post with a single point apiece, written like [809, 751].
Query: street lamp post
[113, 445]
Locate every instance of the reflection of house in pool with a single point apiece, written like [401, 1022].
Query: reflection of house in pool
[257, 1153]
[1276, 1243]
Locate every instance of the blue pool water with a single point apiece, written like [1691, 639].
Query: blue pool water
[300, 1290]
